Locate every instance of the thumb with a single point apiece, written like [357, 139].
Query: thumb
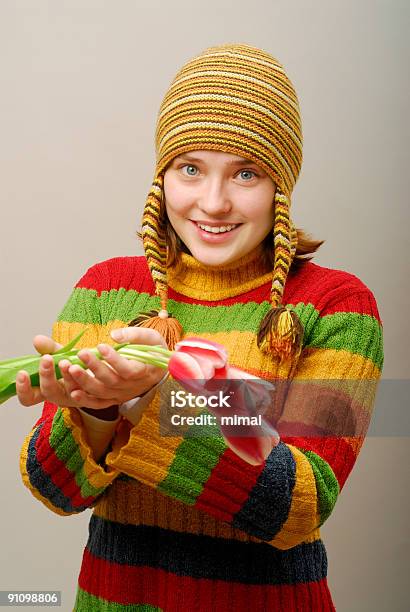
[45, 345]
[138, 335]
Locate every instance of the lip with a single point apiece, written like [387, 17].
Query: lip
[214, 238]
[214, 223]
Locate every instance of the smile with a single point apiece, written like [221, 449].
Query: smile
[215, 234]
[217, 229]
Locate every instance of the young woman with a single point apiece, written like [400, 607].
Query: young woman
[182, 523]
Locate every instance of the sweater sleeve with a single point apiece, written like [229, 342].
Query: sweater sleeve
[56, 462]
[284, 501]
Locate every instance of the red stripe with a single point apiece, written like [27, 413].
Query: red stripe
[130, 273]
[363, 303]
[337, 451]
[228, 471]
[56, 469]
[126, 584]
[312, 284]
[49, 410]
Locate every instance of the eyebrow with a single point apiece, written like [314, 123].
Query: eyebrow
[236, 162]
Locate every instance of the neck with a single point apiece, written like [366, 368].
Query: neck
[194, 279]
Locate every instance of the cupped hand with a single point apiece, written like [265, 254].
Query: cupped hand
[105, 383]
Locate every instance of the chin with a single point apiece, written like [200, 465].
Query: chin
[216, 258]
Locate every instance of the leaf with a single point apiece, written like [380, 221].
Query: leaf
[7, 362]
[8, 376]
[71, 344]
[7, 393]
[21, 362]
[9, 368]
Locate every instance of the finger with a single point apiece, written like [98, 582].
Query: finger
[45, 344]
[27, 395]
[88, 383]
[138, 335]
[69, 383]
[51, 389]
[102, 372]
[126, 369]
[90, 401]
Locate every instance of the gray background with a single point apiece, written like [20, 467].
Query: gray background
[81, 82]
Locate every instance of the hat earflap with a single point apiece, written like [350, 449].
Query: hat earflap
[156, 253]
[281, 331]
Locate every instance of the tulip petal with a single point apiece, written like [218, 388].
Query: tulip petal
[195, 360]
[183, 367]
[214, 351]
[206, 366]
[211, 356]
[253, 450]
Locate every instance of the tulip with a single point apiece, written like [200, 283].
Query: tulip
[200, 366]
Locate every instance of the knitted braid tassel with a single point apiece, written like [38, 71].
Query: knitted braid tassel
[153, 237]
[281, 331]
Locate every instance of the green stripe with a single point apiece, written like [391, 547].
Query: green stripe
[81, 307]
[125, 305]
[84, 305]
[67, 450]
[185, 480]
[353, 332]
[364, 336]
[86, 601]
[213, 319]
[326, 484]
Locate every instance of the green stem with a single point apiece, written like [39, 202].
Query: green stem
[130, 351]
[152, 355]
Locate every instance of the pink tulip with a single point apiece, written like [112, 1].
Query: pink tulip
[201, 367]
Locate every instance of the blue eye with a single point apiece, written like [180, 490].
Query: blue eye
[189, 168]
[247, 174]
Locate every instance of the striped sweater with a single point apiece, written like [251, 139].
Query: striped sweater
[182, 523]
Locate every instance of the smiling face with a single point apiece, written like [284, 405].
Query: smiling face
[219, 204]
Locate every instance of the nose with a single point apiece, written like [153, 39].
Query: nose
[214, 198]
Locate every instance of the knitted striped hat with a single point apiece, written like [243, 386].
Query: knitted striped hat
[238, 99]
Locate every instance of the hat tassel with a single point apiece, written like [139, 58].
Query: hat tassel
[281, 333]
[163, 322]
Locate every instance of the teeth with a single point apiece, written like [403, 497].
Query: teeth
[217, 230]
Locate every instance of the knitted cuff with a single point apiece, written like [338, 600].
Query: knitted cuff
[58, 466]
[99, 432]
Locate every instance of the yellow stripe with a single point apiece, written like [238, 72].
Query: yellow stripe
[176, 283]
[337, 364]
[303, 515]
[314, 363]
[236, 76]
[257, 58]
[147, 454]
[241, 346]
[227, 127]
[173, 111]
[134, 503]
[63, 332]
